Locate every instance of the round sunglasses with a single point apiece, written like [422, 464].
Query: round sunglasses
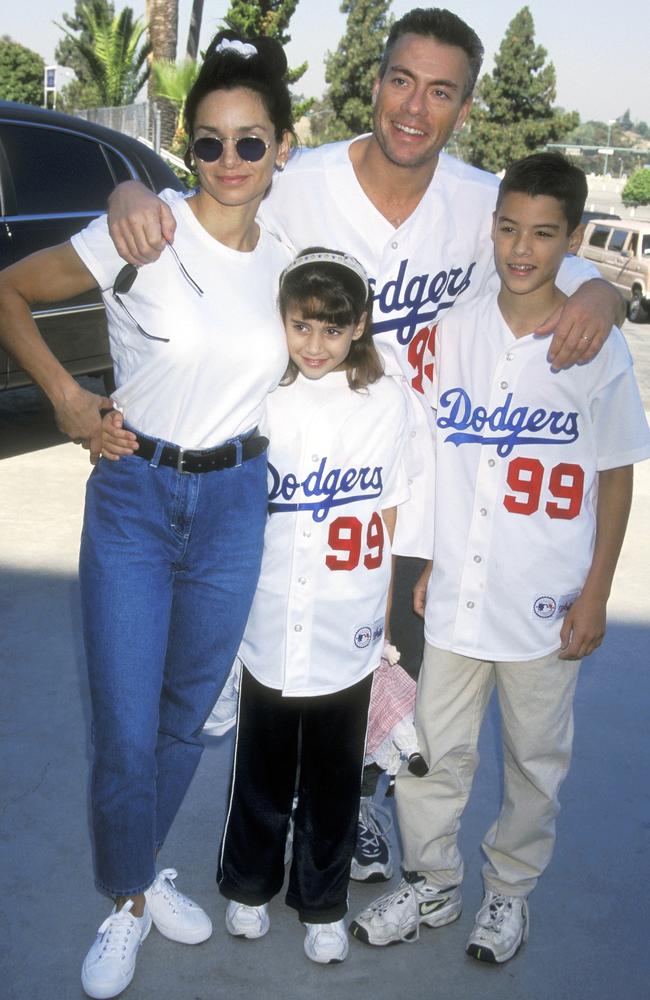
[250, 147]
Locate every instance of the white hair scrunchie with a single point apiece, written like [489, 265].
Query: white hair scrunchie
[244, 49]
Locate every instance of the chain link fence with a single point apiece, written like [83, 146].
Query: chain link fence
[142, 120]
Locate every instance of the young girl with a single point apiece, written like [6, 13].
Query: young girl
[315, 631]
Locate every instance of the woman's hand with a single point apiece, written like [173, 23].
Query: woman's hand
[115, 440]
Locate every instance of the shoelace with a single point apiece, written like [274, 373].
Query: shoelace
[493, 913]
[370, 826]
[165, 884]
[404, 893]
[116, 930]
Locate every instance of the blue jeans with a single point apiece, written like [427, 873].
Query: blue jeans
[168, 567]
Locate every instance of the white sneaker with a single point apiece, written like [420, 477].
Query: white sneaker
[110, 963]
[176, 916]
[326, 942]
[500, 929]
[247, 921]
[397, 915]
[224, 713]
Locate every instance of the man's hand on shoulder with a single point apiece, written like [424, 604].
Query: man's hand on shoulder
[583, 323]
[140, 224]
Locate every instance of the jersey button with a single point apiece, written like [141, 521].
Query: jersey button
[470, 605]
[414, 434]
[306, 533]
[504, 385]
[302, 580]
[477, 559]
[483, 512]
[491, 463]
[509, 356]
[297, 628]
[394, 244]
[314, 458]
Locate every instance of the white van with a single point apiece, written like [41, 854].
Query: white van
[620, 249]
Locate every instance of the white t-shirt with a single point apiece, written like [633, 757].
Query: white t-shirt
[518, 451]
[335, 462]
[227, 348]
[440, 256]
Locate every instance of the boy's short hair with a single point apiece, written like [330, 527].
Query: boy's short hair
[445, 27]
[548, 174]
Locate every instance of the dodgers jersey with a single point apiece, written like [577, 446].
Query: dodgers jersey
[335, 462]
[441, 255]
[518, 451]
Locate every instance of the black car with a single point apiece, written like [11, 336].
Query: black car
[56, 173]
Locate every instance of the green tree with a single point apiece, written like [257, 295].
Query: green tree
[269, 18]
[21, 73]
[117, 56]
[637, 189]
[514, 113]
[352, 70]
[82, 92]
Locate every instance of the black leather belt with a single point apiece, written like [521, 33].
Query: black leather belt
[210, 460]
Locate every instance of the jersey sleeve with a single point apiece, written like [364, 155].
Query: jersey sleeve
[574, 271]
[620, 424]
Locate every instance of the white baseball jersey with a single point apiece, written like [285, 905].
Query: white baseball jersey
[335, 462]
[442, 254]
[224, 350]
[518, 451]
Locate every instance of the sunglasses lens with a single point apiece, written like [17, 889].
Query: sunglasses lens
[251, 148]
[208, 149]
[124, 281]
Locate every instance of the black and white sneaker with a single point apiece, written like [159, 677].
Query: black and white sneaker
[372, 861]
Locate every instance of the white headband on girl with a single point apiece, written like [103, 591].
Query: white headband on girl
[244, 49]
[324, 256]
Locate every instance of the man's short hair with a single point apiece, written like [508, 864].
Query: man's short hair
[445, 27]
[548, 174]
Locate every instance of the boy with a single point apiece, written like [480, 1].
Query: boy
[533, 489]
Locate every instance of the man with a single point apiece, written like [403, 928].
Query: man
[419, 222]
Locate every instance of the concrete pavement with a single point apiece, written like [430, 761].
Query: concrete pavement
[589, 916]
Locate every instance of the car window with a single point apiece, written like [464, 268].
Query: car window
[633, 244]
[55, 171]
[618, 239]
[599, 236]
[645, 246]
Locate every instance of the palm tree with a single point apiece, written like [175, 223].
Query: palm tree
[173, 82]
[117, 60]
[195, 29]
[162, 17]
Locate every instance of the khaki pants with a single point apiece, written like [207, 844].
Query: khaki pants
[535, 700]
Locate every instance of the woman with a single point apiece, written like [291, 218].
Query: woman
[172, 534]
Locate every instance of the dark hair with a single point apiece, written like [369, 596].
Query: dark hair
[263, 73]
[445, 27]
[333, 293]
[550, 174]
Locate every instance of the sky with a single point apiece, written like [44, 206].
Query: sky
[600, 60]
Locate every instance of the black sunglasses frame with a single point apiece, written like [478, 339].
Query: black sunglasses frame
[124, 283]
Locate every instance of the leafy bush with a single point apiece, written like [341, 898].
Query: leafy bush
[637, 189]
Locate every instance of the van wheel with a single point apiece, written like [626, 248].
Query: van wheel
[636, 309]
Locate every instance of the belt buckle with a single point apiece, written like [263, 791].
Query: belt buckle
[179, 461]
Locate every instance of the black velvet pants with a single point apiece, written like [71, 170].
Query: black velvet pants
[313, 747]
